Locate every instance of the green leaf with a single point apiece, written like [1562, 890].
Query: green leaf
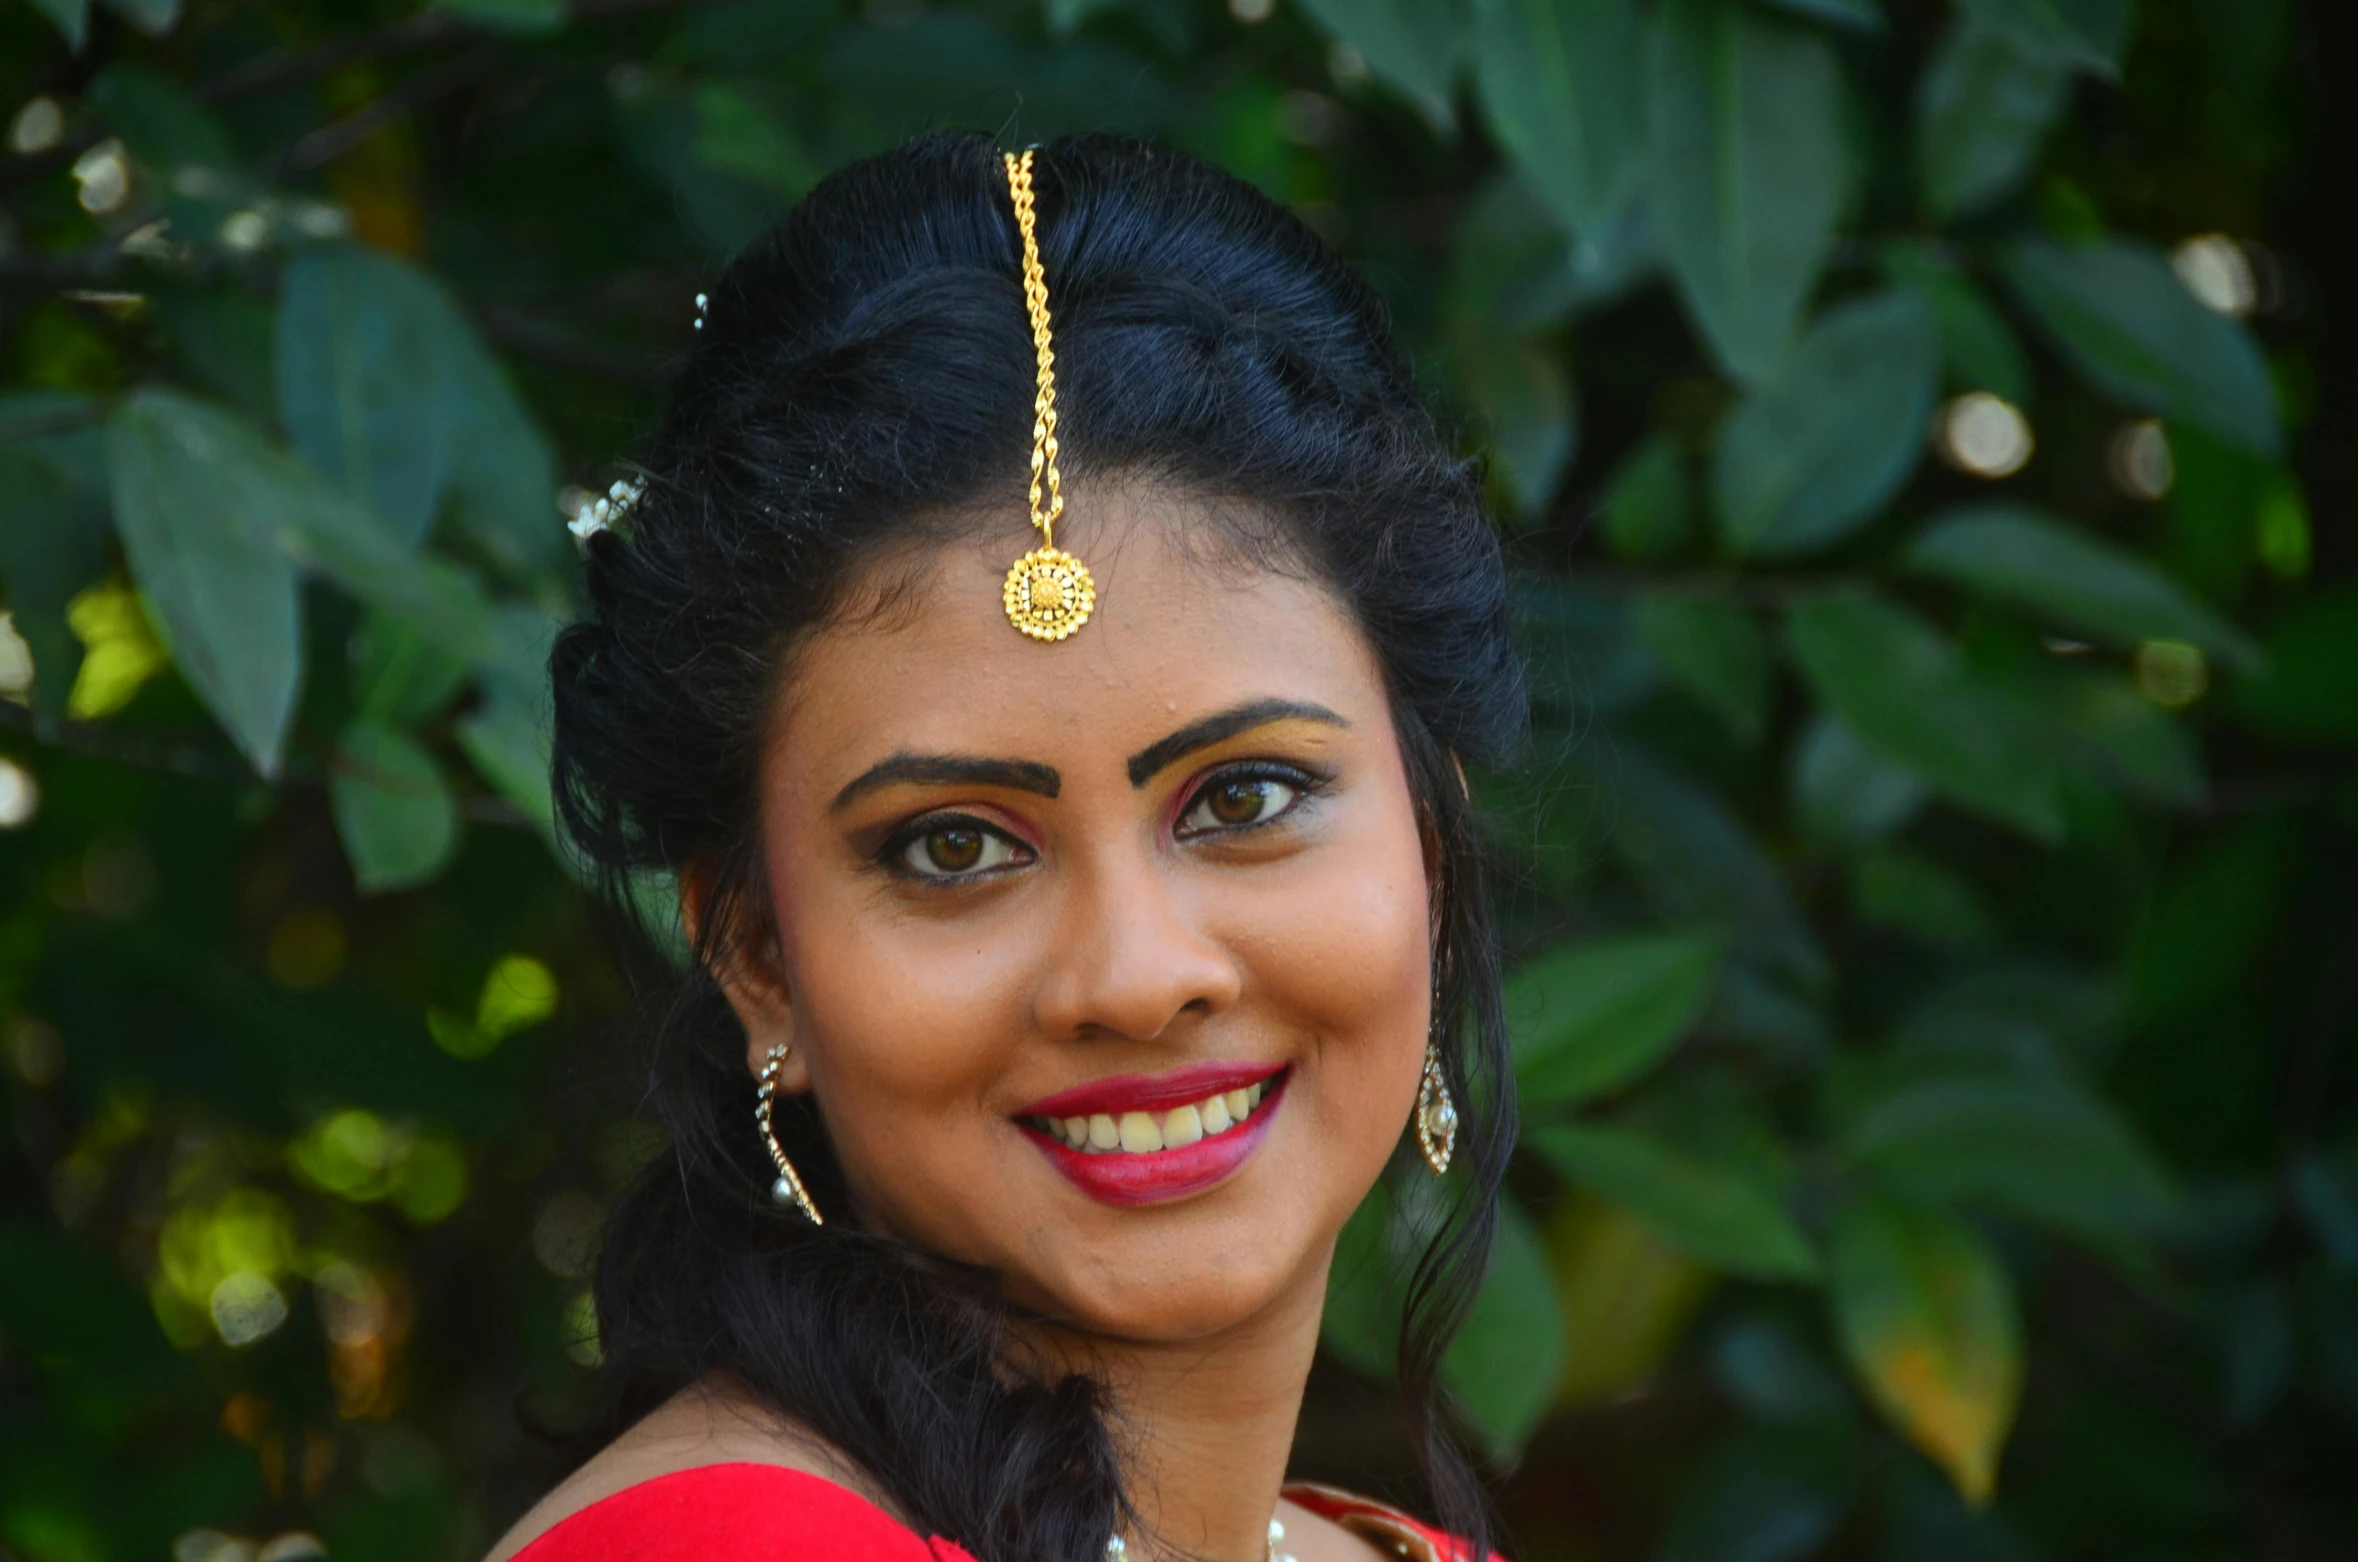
[1901, 686]
[1560, 87]
[1504, 1366]
[400, 676]
[1647, 508]
[161, 123]
[1825, 441]
[1750, 170]
[1361, 1320]
[2039, 1148]
[196, 496]
[52, 544]
[1765, 1495]
[71, 18]
[1718, 1218]
[1411, 45]
[2310, 691]
[2125, 319]
[1523, 401]
[739, 134]
[509, 16]
[1983, 109]
[1913, 894]
[393, 809]
[2016, 555]
[507, 740]
[2086, 34]
[1510, 259]
[1979, 350]
[366, 380]
[1846, 793]
[2106, 727]
[503, 476]
[1713, 651]
[152, 17]
[1864, 15]
[1591, 1017]
[1927, 1317]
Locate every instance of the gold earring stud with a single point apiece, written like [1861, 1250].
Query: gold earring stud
[1436, 1114]
[788, 1188]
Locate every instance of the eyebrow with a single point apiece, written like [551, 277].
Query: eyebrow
[1219, 728]
[1017, 775]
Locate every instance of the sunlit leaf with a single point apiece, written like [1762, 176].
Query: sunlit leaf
[1983, 108]
[2020, 556]
[2131, 326]
[195, 501]
[1715, 652]
[1413, 45]
[1591, 1017]
[1927, 1316]
[1502, 1369]
[2086, 34]
[393, 808]
[1749, 170]
[1716, 1216]
[1831, 433]
[1560, 86]
[1901, 686]
[2040, 1148]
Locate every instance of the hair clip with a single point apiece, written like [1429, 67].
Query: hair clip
[703, 301]
[592, 516]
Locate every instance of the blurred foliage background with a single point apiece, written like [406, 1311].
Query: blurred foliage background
[1909, 423]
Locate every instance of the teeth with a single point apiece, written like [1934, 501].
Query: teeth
[1142, 1133]
[1181, 1127]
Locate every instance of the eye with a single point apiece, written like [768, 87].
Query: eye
[1239, 800]
[955, 849]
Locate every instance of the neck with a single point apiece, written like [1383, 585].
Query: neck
[1206, 1425]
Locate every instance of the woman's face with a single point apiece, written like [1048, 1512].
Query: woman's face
[1051, 917]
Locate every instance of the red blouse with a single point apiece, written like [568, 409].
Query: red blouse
[768, 1513]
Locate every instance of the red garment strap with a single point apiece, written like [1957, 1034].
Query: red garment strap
[743, 1512]
[1380, 1523]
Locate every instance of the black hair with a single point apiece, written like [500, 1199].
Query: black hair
[865, 368]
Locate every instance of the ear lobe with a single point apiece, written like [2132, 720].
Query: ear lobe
[743, 960]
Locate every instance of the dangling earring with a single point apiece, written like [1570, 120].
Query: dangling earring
[788, 1188]
[1436, 1114]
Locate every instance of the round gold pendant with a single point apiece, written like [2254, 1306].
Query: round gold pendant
[1049, 594]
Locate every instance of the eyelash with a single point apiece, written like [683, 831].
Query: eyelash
[893, 856]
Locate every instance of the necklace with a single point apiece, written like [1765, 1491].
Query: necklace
[1116, 1551]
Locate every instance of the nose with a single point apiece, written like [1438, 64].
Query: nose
[1132, 956]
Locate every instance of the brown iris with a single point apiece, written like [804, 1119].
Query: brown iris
[954, 848]
[1237, 802]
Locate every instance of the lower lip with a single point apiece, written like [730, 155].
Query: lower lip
[1158, 1176]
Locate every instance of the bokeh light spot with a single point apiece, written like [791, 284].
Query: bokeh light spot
[2217, 272]
[2172, 673]
[20, 795]
[247, 1307]
[2139, 459]
[1985, 435]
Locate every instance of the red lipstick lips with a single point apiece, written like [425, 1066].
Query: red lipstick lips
[1156, 1176]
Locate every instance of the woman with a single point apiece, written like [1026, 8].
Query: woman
[1078, 940]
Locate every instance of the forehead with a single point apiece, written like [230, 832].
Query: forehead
[923, 659]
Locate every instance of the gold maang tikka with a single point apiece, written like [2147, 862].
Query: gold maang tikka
[1049, 593]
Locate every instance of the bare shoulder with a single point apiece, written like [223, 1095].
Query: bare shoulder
[705, 1423]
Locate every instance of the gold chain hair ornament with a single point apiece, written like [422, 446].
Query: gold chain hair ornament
[788, 1188]
[1049, 593]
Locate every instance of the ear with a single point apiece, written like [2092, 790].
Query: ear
[748, 967]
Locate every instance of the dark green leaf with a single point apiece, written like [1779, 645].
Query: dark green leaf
[1979, 350]
[1776, 1375]
[510, 16]
[197, 500]
[1361, 1320]
[224, 337]
[2017, 555]
[1718, 1217]
[1511, 260]
[1504, 1367]
[1913, 894]
[1714, 652]
[1750, 170]
[2310, 691]
[366, 380]
[52, 544]
[1901, 686]
[2029, 1016]
[1765, 1496]
[71, 18]
[2104, 726]
[401, 676]
[1846, 793]
[153, 17]
[1927, 1317]
[1833, 431]
[162, 125]
[1560, 86]
[739, 134]
[503, 482]
[1647, 508]
[1523, 399]
[1983, 109]
[2035, 1147]
[1591, 1017]
[508, 742]
[1864, 15]
[1413, 45]
[2124, 317]
[393, 809]
[2086, 34]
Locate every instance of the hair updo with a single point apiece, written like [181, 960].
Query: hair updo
[865, 369]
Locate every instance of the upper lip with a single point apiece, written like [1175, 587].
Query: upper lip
[1121, 1093]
